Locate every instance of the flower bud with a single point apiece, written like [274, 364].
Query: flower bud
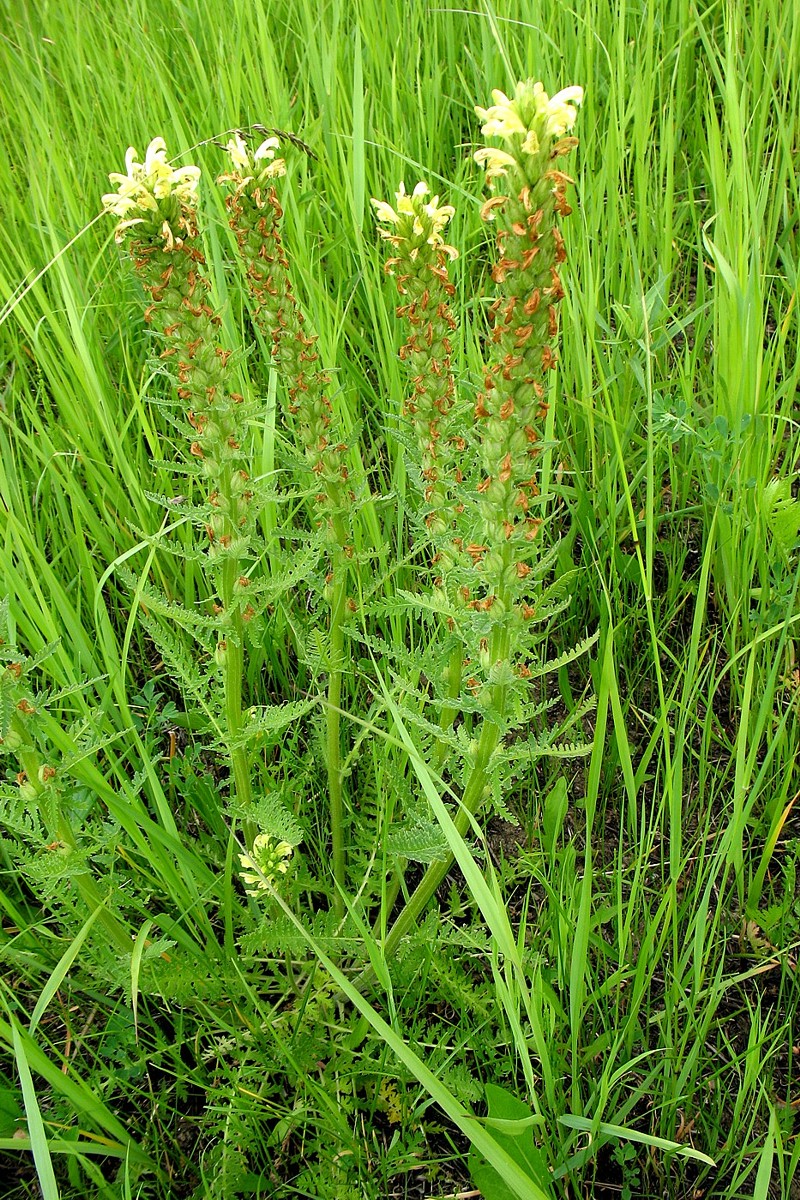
[13, 740]
[27, 790]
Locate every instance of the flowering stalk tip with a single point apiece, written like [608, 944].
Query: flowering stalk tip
[416, 222]
[253, 166]
[153, 192]
[255, 214]
[528, 194]
[415, 231]
[531, 115]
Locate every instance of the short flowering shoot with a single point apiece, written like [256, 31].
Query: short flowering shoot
[267, 859]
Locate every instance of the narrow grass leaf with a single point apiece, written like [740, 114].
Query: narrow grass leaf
[38, 1138]
[603, 1129]
[62, 967]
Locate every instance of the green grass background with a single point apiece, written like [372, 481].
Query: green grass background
[669, 929]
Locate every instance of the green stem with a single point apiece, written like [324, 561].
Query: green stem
[448, 715]
[232, 682]
[469, 806]
[333, 729]
[88, 889]
[470, 801]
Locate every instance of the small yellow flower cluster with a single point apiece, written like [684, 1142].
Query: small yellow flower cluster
[530, 111]
[146, 184]
[414, 219]
[265, 859]
[256, 166]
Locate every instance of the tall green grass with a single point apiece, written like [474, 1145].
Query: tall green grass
[626, 958]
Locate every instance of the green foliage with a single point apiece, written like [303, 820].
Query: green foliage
[511, 1122]
[611, 967]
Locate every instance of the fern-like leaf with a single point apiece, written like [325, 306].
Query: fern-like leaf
[562, 660]
[423, 842]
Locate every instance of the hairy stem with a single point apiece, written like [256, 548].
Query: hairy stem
[333, 731]
[62, 831]
[469, 806]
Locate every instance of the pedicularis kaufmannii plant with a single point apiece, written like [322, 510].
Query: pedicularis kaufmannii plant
[483, 572]
[491, 587]
[158, 210]
[255, 215]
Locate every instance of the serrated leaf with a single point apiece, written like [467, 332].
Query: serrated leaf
[560, 749]
[782, 513]
[82, 686]
[575, 652]
[272, 816]
[42, 655]
[544, 609]
[160, 606]
[177, 658]
[499, 806]
[7, 709]
[197, 514]
[272, 718]
[419, 843]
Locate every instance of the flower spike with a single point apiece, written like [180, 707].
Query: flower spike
[152, 189]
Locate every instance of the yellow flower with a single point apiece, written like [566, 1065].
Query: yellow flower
[265, 859]
[237, 148]
[531, 115]
[245, 165]
[145, 184]
[495, 161]
[502, 119]
[405, 204]
[384, 212]
[267, 149]
[561, 115]
[428, 219]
